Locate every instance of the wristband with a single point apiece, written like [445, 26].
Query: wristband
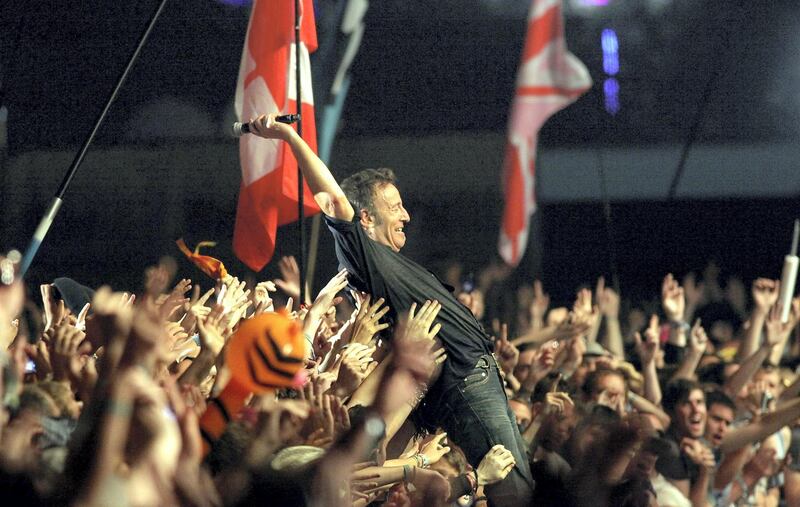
[121, 409]
[679, 324]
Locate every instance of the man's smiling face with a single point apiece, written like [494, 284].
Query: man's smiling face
[387, 226]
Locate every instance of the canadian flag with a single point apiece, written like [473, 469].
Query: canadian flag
[268, 195]
[549, 79]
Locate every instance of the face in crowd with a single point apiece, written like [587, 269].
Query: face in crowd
[387, 225]
[719, 420]
[690, 415]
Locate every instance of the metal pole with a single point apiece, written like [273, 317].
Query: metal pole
[300, 194]
[58, 199]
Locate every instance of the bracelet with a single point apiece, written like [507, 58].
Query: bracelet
[422, 460]
[480, 499]
[406, 470]
[679, 324]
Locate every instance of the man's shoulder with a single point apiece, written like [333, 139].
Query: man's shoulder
[338, 223]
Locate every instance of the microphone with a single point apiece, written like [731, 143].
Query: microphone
[239, 128]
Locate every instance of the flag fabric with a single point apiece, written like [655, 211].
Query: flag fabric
[549, 79]
[268, 195]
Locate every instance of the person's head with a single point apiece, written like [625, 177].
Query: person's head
[452, 464]
[771, 376]
[522, 412]
[557, 428]
[597, 381]
[721, 411]
[378, 206]
[685, 402]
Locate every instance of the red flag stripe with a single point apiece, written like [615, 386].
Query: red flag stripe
[541, 31]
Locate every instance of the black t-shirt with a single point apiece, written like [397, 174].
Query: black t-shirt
[384, 273]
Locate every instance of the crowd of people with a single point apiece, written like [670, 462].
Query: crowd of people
[103, 391]
[391, 388]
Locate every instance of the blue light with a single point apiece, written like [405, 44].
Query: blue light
[610, 45]
[611, 92]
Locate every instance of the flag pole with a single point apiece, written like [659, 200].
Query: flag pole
[58, 199]
[300, 193]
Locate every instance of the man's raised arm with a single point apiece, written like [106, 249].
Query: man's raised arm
[323, 185]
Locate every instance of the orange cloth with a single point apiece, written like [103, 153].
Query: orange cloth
[266, 353]
[208, 265]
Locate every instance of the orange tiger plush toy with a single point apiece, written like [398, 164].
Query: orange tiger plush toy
[266, 353]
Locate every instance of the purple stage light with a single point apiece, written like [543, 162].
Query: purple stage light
[611, 92]
[610, 45]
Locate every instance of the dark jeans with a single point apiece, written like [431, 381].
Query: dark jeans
[476, 415]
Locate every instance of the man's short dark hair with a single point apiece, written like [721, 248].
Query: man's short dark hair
[677, 392]
[360, 187]
[717, 397]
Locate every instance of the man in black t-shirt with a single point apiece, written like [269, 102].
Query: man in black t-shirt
[367, 219]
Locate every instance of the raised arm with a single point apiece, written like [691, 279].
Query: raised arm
[323, 185]
[765, 294]
[762, 428]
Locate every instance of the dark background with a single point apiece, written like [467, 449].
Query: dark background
[424, 68]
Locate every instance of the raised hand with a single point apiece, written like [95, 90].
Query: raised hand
[290, 276]
[607, 299]
[777, 331]
[265, 126]
[64, 343]
[434, 447]
[367, 322]
[262, 298]
[542, 364]
[495, 465]
[211, 330]
[507, 353]
[539, 304]
[583, 306]
[235, 299]
[615, 402]
[648, 349]
[698, 340]
[557, 402]
[420, 323]
[698, 453]
[672, 299]
[175, 299]
[54, 310]
[765, 294]
[277, 424]
[112, 317]
[326, 297]
[353, 368]
[196, 307]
